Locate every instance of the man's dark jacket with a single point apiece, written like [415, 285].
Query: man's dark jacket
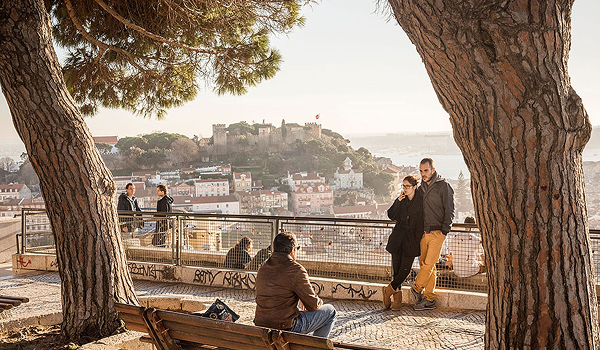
[280, 283]
[125, 204]
[438, 204]
[164, 205]
[128, 204]
[406, 236]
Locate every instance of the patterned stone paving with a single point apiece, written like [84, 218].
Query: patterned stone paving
[358, 322]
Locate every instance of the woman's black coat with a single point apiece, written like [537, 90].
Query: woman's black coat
[406, 236]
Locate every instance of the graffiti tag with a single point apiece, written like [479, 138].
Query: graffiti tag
[239, 280]
[205, 277]
[352, 291]
[22, 262]
[317, 288]
[143, 270]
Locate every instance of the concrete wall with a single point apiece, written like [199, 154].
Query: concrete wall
[236, 279]
[9, 228]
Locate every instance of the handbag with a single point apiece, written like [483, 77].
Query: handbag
[220, 311]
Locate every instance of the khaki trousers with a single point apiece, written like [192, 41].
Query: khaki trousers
[431, 247]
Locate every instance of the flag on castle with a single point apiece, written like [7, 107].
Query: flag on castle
[317, 116]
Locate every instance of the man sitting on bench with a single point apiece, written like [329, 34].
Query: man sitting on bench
[280, 283]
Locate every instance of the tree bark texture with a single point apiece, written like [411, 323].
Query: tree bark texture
[499, 69]
[77, 187]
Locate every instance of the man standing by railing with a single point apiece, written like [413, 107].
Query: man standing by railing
[128, 202]
[438, 212]
[164, 205]
[280, 283]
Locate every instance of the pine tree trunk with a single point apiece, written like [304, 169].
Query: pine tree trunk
[77, 187]
[499, 69]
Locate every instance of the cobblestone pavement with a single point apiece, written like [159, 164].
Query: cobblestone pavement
[358, 322]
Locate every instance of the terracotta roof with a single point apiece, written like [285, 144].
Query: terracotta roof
[111, 140]
[239, 175]
[13, 186]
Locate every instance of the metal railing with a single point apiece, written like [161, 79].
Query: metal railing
[351, 249]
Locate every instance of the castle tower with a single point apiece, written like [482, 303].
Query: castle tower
[220, 138]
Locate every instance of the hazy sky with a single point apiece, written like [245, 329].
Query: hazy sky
[355, 69]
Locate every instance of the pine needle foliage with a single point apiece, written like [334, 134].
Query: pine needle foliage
[147, 56]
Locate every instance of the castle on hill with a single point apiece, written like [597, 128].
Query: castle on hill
[268, 139]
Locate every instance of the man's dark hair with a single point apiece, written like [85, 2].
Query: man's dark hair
[127, 186]
[162, 188]
[284, 242]
[427, 161]
[469, 220]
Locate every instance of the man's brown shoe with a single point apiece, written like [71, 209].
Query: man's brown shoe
[387, 292]
[397, 304]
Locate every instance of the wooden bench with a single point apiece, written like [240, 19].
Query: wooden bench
[8, 302]
[170, 330]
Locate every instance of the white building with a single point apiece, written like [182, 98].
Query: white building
[301, 178]
[228, 204]
[18, 191]
[211, 187]
[347, 177]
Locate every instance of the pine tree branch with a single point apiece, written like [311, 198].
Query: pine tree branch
[101, 45]
[148, 34]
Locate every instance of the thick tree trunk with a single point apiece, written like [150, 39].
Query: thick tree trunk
[77, 187]
[499, 69]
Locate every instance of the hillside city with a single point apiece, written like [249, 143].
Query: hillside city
[259, 169]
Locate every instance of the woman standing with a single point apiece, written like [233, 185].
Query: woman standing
[405, 239]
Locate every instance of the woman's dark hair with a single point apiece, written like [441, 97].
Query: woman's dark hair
[284, 242]
[411, 179]
[469, 220]
[244, 243]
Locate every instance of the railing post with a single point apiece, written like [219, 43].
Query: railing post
[23, 230]
[179, 240]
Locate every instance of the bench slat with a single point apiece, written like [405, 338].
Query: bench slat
[200, 321]
[5, 306]
[199, 339]
[136, 327]
[130, 309]
[340, 345]
[217, 333]
[13, 302]
[128, 319]
[21, 299]
[303, 339]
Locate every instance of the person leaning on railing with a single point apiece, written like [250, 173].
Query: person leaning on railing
[128, 202]
[404, 240]
[164, 205]
[239, 257]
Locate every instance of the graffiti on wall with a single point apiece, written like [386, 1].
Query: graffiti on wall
[206, 277]
[22, 263]
[239, 280]
[54, 263]
[317, 288]
[365, 294]
[166, 273]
